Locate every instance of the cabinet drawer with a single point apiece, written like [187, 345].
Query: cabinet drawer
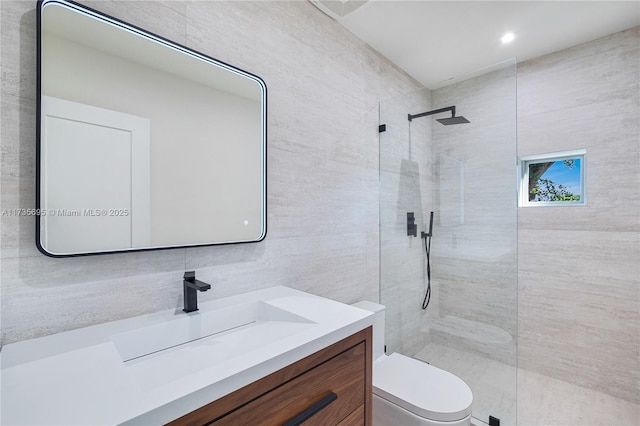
[354, 419]
[344, 369]
[343, 375]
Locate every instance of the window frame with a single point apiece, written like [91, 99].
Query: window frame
[523, 177]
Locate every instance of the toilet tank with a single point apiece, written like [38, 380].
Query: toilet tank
[378, 325]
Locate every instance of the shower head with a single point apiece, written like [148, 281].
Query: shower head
[446, 121]
[452, 120]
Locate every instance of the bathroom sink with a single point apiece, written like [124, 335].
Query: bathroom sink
[207, 327]
[156, 367]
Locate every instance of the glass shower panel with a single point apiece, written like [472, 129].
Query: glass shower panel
[466, 174]
[405, 187]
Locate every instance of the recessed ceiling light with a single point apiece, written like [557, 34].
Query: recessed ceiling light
[508, 38]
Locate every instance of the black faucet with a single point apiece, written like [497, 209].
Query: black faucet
[191, 287]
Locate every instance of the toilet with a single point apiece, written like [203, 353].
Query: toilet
[409, 392]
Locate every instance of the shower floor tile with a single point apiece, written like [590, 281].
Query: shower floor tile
[541, 400]
[493, 383]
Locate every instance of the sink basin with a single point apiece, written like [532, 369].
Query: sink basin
[156, 367]
[205, 327]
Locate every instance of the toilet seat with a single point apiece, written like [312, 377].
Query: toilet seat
[422, 389]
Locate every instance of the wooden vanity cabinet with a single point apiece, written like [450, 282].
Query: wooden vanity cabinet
[335, 383]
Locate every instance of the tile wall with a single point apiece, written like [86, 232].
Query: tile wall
[324, 86]
[579, 267]
[475, 238]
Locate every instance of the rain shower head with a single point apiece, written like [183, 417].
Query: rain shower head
[446, 121]
[453, 120]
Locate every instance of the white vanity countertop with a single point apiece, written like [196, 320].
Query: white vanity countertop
[79, 377]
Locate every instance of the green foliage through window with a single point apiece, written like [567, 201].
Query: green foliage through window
[548, 190]
[545, 189]
[549, 180]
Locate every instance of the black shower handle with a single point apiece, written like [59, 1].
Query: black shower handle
[412, 228]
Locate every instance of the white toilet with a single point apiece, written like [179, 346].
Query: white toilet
[409, 392]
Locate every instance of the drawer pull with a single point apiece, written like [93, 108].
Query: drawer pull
[311, 411]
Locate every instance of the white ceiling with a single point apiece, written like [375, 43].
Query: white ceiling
[435, 41]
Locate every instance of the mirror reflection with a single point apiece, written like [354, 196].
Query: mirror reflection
[143, 143]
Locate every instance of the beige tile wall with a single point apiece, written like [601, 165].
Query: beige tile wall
[475, 261]
[323, 86]
[579, 267]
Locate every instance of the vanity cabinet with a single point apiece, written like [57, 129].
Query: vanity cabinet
[330, 387]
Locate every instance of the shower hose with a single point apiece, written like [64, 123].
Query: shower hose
[427, 247]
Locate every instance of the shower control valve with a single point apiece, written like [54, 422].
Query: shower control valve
[412, 228]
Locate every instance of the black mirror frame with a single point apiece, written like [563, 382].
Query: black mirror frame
[144, 33]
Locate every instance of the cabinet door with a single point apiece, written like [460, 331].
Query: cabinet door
[342, 375]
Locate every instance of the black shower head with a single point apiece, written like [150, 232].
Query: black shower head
[446, 121]
[453, 120]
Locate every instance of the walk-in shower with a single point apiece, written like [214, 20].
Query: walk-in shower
[462, 262]
[426, 236]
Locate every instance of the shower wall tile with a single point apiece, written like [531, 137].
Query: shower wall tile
[599, 71]
[324, 86]
[578, 310]
[475, 235]
[487, 99]
[478, 286]
[610, 133]
[579, 279]
[405, 141]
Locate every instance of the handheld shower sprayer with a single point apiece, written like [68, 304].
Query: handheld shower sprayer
[428, 234]
[427, 246]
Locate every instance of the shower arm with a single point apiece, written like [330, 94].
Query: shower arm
[435, 111]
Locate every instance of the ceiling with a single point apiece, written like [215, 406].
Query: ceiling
[440, 41]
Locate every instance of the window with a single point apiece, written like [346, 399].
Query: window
[555, 179]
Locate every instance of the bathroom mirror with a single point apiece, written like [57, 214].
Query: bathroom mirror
[142, 143]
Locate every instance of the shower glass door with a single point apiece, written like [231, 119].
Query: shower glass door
[465, 173]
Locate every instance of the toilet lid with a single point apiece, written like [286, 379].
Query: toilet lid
[422, 389]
